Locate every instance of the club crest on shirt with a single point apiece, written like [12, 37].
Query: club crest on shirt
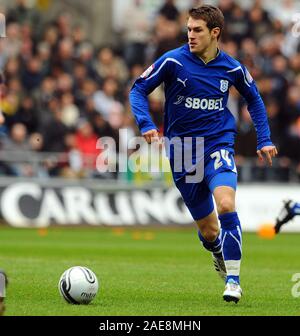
[223, 85]
[147, 72]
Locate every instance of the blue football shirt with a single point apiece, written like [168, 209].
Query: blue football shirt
[196, 95]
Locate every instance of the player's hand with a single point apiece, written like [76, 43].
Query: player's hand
[267, 153]
[151, 136]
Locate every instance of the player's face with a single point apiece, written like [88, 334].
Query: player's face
[199, 36]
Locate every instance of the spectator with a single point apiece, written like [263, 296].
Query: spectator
[51, 37]
[85, 92]
[86, 143]
[44, 55]
[65, 56]
[12, 45]
[246, 137]
[22, 14]
[102, 128]
[292, 108]
[105, 98]
[136, 33]
[168, 36]
[27, 114]
[85, 54]
[238, 25]
[291, 142]
[33, 75]
[74, 164]
[54, 77]
[169, 11]
[70, 112]
[12, 69]
[55, 130]
[64, 25]
[260, 24]
[18, 144]
[109, 65]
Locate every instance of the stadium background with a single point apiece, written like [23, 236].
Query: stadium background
[68, 69]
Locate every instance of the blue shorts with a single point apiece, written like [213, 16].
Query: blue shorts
[219, 170]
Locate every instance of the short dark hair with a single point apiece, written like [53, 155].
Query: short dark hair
[212, 15]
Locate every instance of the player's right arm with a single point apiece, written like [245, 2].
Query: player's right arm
[143, 86]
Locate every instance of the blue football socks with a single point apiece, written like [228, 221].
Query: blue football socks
[231, 245]
[214, 247]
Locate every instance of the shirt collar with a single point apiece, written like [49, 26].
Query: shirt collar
[201, 60]
[218, 53]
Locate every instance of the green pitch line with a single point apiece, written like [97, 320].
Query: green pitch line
[145, 272]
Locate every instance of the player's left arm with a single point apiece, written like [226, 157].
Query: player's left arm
[248, 89]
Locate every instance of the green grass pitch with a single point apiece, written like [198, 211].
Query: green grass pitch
[149, 271]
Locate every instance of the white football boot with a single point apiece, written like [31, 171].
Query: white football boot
[233, 292]
[220, 266]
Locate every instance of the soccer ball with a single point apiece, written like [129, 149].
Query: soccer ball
[78, 285]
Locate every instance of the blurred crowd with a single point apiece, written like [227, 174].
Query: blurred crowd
[62, 92]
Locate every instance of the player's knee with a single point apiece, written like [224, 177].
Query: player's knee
[210, 234]
[225, 205]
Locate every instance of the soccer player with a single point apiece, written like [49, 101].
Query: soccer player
[197, 77]
[289, 210]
